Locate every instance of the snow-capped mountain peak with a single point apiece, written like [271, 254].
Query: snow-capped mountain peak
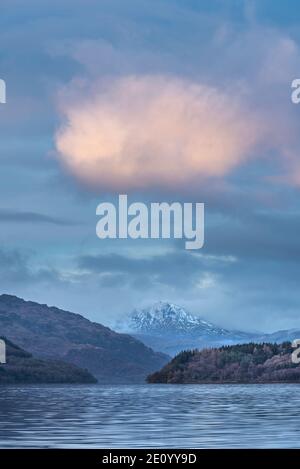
[164, 318]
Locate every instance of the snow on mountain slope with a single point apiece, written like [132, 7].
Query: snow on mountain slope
[167, 318]
[168, 328]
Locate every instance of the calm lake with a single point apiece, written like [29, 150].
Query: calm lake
[161, 416]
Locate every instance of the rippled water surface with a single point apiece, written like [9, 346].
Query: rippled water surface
[204, 416]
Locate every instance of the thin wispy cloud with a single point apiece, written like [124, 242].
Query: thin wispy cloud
[15, 216]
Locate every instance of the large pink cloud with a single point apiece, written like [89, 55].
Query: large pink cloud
[137, 132]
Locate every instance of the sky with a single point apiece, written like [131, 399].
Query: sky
[163, 100]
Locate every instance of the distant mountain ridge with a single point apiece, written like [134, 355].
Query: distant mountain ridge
[49, 332]
[285, 335]
[169, 328]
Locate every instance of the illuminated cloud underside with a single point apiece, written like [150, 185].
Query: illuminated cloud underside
[143, 131]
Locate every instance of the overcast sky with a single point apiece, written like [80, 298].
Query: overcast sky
[163, 100]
